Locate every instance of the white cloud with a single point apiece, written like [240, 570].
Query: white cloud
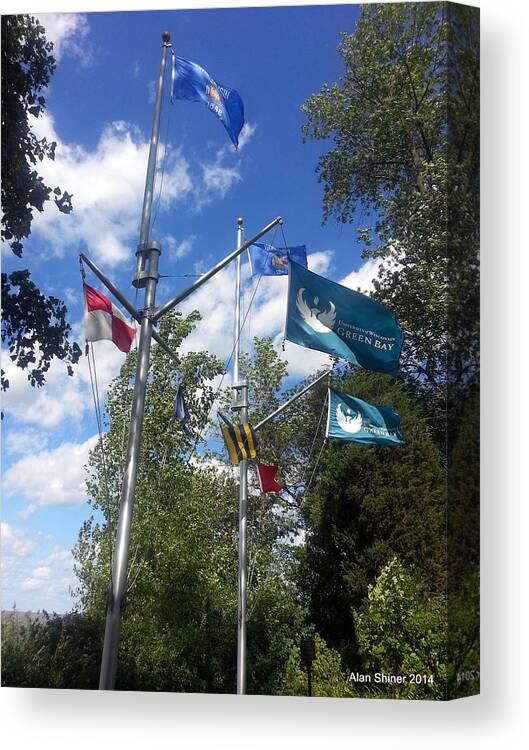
[63, 399]
[53, 576]
[246, 133]
[219, 175]
[70, 295]
[68, 32]
[218, 179]
[16, 544]
[61, 557]
[107, 186]
[42, 572]
[32, 576]
[363, 278]
[51, 477]
[177, 249]
[248, 129]
[26, 441]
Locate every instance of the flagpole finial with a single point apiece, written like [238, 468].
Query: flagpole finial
[239, 221]
[166, 37]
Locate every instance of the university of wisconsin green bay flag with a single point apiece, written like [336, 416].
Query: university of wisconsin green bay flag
[329, 317]
[350, 418]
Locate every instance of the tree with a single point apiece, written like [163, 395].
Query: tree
[328, 677]
[34, 326]
[366, 505]
[401, 631]
[179, 624]
[53, 651]
[404, 124]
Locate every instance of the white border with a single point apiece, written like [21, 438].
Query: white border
[48, 719]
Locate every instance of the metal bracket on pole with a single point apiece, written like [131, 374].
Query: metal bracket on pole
[240, 395]
[144, 270]
[136, 314]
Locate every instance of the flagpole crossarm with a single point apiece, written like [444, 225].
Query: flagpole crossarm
[136, 314]
[112, 288]
[277, 411]
[163, 345]
[161, 311]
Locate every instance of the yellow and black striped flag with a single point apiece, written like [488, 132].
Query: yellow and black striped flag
[240, 441]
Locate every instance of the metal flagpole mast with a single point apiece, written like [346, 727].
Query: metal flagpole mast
[240, 405]
[145, 277]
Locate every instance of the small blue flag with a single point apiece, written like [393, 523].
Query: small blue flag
[331, 318]
[181, 412]
[350, 418]
[193, 83]
[268, 260]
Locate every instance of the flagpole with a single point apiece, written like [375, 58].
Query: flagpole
[240, 405]
[146, 277]
[291, 400]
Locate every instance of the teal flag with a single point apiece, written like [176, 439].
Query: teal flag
[329, 317]
[350, 418]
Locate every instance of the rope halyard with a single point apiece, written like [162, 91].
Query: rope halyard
[92, 370]
[315, 467]
[312, 447]
[164, 161]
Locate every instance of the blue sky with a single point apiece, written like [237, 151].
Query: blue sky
[99, 110]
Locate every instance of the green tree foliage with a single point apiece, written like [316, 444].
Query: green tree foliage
[355, 547]
[404, 126]
[328, 677]
[368, 504]
[401, 630]
[463, 552]
[51, 651]
[34, 326]
[179, 626]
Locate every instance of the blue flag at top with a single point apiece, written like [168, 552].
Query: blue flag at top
[273, 261]
[193, 83]
[331, 318]
[350, 418]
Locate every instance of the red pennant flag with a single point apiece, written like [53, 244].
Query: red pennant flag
[267, 478]
[103, 320]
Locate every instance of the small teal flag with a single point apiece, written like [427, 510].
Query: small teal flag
[267, 260]
[193, 83]
[329, 317]
[350, 418]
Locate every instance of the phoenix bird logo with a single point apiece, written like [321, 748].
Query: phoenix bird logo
[320, 321]
[347, 422]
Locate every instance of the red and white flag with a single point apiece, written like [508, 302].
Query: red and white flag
[103, 320]
[267, 478]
